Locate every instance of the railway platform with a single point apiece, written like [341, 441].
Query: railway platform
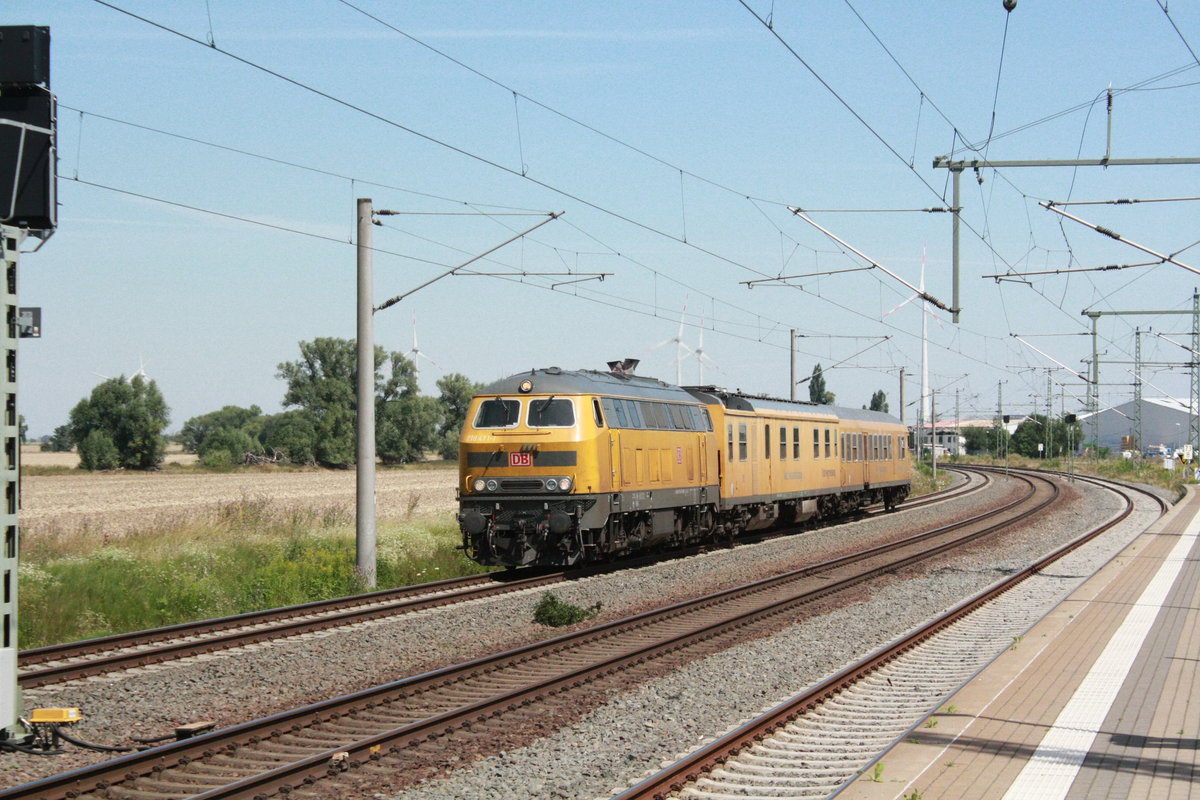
[1099, 700]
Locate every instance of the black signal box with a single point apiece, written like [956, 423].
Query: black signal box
[24, 55]
[28, 181]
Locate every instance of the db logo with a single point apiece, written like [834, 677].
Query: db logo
[522, 459]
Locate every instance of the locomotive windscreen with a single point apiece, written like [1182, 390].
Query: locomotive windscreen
[498, 413]
[551, 413]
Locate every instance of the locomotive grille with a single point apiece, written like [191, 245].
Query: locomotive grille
[521, 485]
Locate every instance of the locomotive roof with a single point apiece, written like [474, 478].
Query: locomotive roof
[553, 380]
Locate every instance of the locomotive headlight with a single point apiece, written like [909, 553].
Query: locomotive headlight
[551, 485]
[492, 485]
[479, 485]
[564, 484]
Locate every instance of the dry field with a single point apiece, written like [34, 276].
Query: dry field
[32, 456]
[112, 504]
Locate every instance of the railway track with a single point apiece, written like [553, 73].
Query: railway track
[386, 730]
[64, 662]
[59, 663]
[820, 741]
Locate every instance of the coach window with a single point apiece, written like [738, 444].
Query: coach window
[730, 429]
[743, 442]
[828, 444]
[767, 441]
[796, 444]
[782, 443]
[816, 443]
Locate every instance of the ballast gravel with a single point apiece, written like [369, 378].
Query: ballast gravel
[614, 745]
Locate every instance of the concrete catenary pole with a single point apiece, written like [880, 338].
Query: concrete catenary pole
[792, 362]
[365, 457]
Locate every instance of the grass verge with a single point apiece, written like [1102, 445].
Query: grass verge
[256, 554]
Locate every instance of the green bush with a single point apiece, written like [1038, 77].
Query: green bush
[554, 613]
[225, 447]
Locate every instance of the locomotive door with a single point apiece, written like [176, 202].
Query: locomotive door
[614, 453]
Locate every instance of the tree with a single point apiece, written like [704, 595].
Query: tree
[1032, 432]
[816, 388]
[879, 401]
[406, 428]
[456, 393]
[125, 417]
[323, 383]
[994, 440]
[60, 442]
[293, 433]
[197, 429]
[406, 424]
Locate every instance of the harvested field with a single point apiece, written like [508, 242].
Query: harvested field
[113, 504]
[32, 455]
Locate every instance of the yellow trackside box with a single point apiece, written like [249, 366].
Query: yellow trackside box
[55, 715]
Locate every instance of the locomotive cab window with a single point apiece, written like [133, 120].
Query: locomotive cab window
[498, 413]
[551, 413]
[596, 412]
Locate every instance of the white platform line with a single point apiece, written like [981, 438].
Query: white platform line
[1056, 762]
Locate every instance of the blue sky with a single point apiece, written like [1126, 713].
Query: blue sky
[207, 206]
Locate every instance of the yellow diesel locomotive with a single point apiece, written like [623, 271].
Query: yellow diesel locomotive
[564, 468]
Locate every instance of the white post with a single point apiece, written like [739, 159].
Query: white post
[365, 457]
[11, 704]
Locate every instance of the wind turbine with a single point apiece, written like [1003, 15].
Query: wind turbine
[681, 351]
[701, 357]
[415, 354]
[924, 411]
[141, 370]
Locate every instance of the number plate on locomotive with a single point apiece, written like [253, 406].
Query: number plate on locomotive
[522, 459]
